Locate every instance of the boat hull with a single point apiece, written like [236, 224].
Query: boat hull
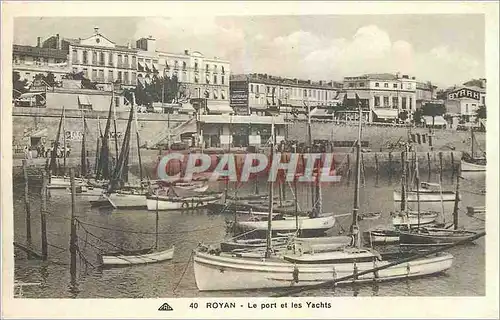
[468, 166]
[128, 260]
[426, 196]
[413, 220]
[218, 273]
[306, 225]
[175, 203]
[382, 236]
[437, 238]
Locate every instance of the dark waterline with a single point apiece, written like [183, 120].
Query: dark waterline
[186, 229]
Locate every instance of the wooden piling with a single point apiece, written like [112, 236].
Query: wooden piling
[43, 216]
[376, 169]
[348, 168]
[27, 202]
[390, 166]
[440, 166]
[72, 241]
[457, 199]
[452, 165]
[429, 166]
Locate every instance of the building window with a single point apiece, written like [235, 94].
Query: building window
[196, 79]
[75, 56]
[206, 68]
[222, 70]
[134, 76]
[215, 79]
[215, 68]
[101, 75]
[410, 103]
[94, 74]
[395, 85]
[376, 101]
[94, 58]
[102, 60]
[216, 96]
[110, 62]
[409, 86]
[403, 103]
[184, 65]
[351, 85]
[85, 57]
[305, 93]
[176, 64]
[110, 76]
[126, 79]
[126, 61]
[85, 73]
[314, 93]
[483, 99]
[195, 66]
[377, 84]
[222, 79]
[386, 102]
[134, 64]
[223, 94]
[117, 101]
[386, 85]
[119, 78]
[395, 102]
[251, 88]
[256, 89]
[120, 61]
[361, 84]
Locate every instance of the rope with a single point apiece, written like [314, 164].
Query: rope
[140, 232]
[184, 272]
[100, 239]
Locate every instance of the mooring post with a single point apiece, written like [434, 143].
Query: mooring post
[390, 166]
[72, 241]
[440, 166]
[348, 169]
[429, 165]
[376, 169]
[452, 165]
[27, 203]
[43, 216]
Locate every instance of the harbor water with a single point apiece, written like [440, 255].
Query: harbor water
[111, 230]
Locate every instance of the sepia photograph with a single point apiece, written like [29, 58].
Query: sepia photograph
[221, 156]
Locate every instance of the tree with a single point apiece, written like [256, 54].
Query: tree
[48, 78]
[403, 115]
[86, 83]
[481, 112]
[441, 94]
[18, 85]
[148, 92]
[433, 110]
[417, 117]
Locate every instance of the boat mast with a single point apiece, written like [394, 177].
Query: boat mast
[354, 225]
[417, 180]
[114, 119]
[457, 200]
[98, 146]
[403, 182]
[137, 138]
[64, 143]
[472, 142]
[83, 152]
[271, 198]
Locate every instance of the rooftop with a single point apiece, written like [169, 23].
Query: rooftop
[275, 80]
[39, 52]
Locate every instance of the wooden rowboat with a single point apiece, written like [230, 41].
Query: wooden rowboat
[138, 257]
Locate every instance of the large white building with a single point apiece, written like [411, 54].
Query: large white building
[204, 80]
[385, 94]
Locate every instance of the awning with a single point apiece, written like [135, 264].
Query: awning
[483, 122]
[386, 113]
[219, 108]
[187, 108]
[273, 112]
[84, 100]
[322, 112]
[40, 133]
[438, 121]
[352, 95]
[141, 66]
[29, 95]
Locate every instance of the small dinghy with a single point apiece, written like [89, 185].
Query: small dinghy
[381, 236]
[369, 216]
[414, 219]
[129, 258]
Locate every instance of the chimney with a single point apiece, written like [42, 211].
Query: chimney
[38, 42]
[96, 30]
[186, 52]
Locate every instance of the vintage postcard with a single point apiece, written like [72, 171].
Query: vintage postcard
[249, 160]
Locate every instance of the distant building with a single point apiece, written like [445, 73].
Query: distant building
[100, 59]
[464, 101]
[204, 81]
[29, 61]
[261, 94]
[425, 92]
[386, 94]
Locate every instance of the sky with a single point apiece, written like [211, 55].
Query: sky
[446, 49]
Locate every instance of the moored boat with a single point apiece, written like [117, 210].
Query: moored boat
[161, 203]
[133, 258]
[433, 236]
[414, 219]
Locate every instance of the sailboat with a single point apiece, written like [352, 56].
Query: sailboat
[60, 181]
[143, 256]
[214, 272]
[432, 236]
[470, 162]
